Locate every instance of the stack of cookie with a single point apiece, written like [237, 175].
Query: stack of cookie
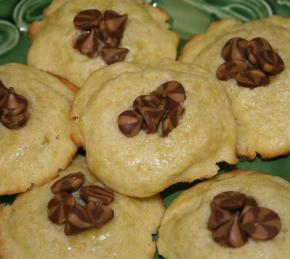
[108, 83]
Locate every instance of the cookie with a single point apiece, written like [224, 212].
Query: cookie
[35, 127]
[257, 86]
[26, 230]
[88, 35]
[156, 145]
[242, 214]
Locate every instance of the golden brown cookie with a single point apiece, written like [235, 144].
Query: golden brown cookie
[32, 151]
[262, 112]
[145, 164]
[242, 214]
[140, 35]
[27, 232]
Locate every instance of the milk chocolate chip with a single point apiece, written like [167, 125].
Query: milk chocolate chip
[171, 120]
[256, 45]
[77, 221]
[3, 94]
[261, 223]
[112, 28]
[151, 109]
[88, 19]
[173, 92]
[252, 78]
[68, 183]
[87, 44]
[112, 55]
[96, 193]
[235, 49]
[270, 62]
[59, 206]
[230, 200]
[218, 217]
[98, 213]
[129, 123]
[13, 108]
[230, 69]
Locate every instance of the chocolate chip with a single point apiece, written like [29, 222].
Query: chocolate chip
[87, 43]
[270, 62]
[218, 217]
[250, 202]
[230, 69]
[109, 40]
[129, 123]
[88, 19]
[59, 206]
[112, 28]
[252, 78]
[95, 193]
[235, 49]
[112, 55]
[261, 223]
[237, 236]
[3, 94]
[14, 121]
[14, 104]
[230, 234]
[256, 45]
[13, 109]
[230, 200]
[220, 235]
[151, 109]
[77, 221]
[98, 213]
[171, 120]
[173, 92]
[68, 183]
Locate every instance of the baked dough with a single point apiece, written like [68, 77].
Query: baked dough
[148, 163]
[146, 36]
[184, 235]
[262, 113]
[34, 153]
[26, 232]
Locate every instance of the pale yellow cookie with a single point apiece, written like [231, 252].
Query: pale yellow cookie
[184, 234]
[262, 113]
[34, 153]
[146, 36]
[27, 233]
[148, 163]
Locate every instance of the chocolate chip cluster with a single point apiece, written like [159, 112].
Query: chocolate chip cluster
[101, 34]
[162, 106]
[250, 63]
[235, 217]
[13, 108]
[63, 208]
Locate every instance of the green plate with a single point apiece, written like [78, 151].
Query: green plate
[187, 17]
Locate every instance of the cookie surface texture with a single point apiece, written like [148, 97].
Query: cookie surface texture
[187, 217]
[127, 235]
[146, 36]
[262, 113]
[34, 153]
[148, 163]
